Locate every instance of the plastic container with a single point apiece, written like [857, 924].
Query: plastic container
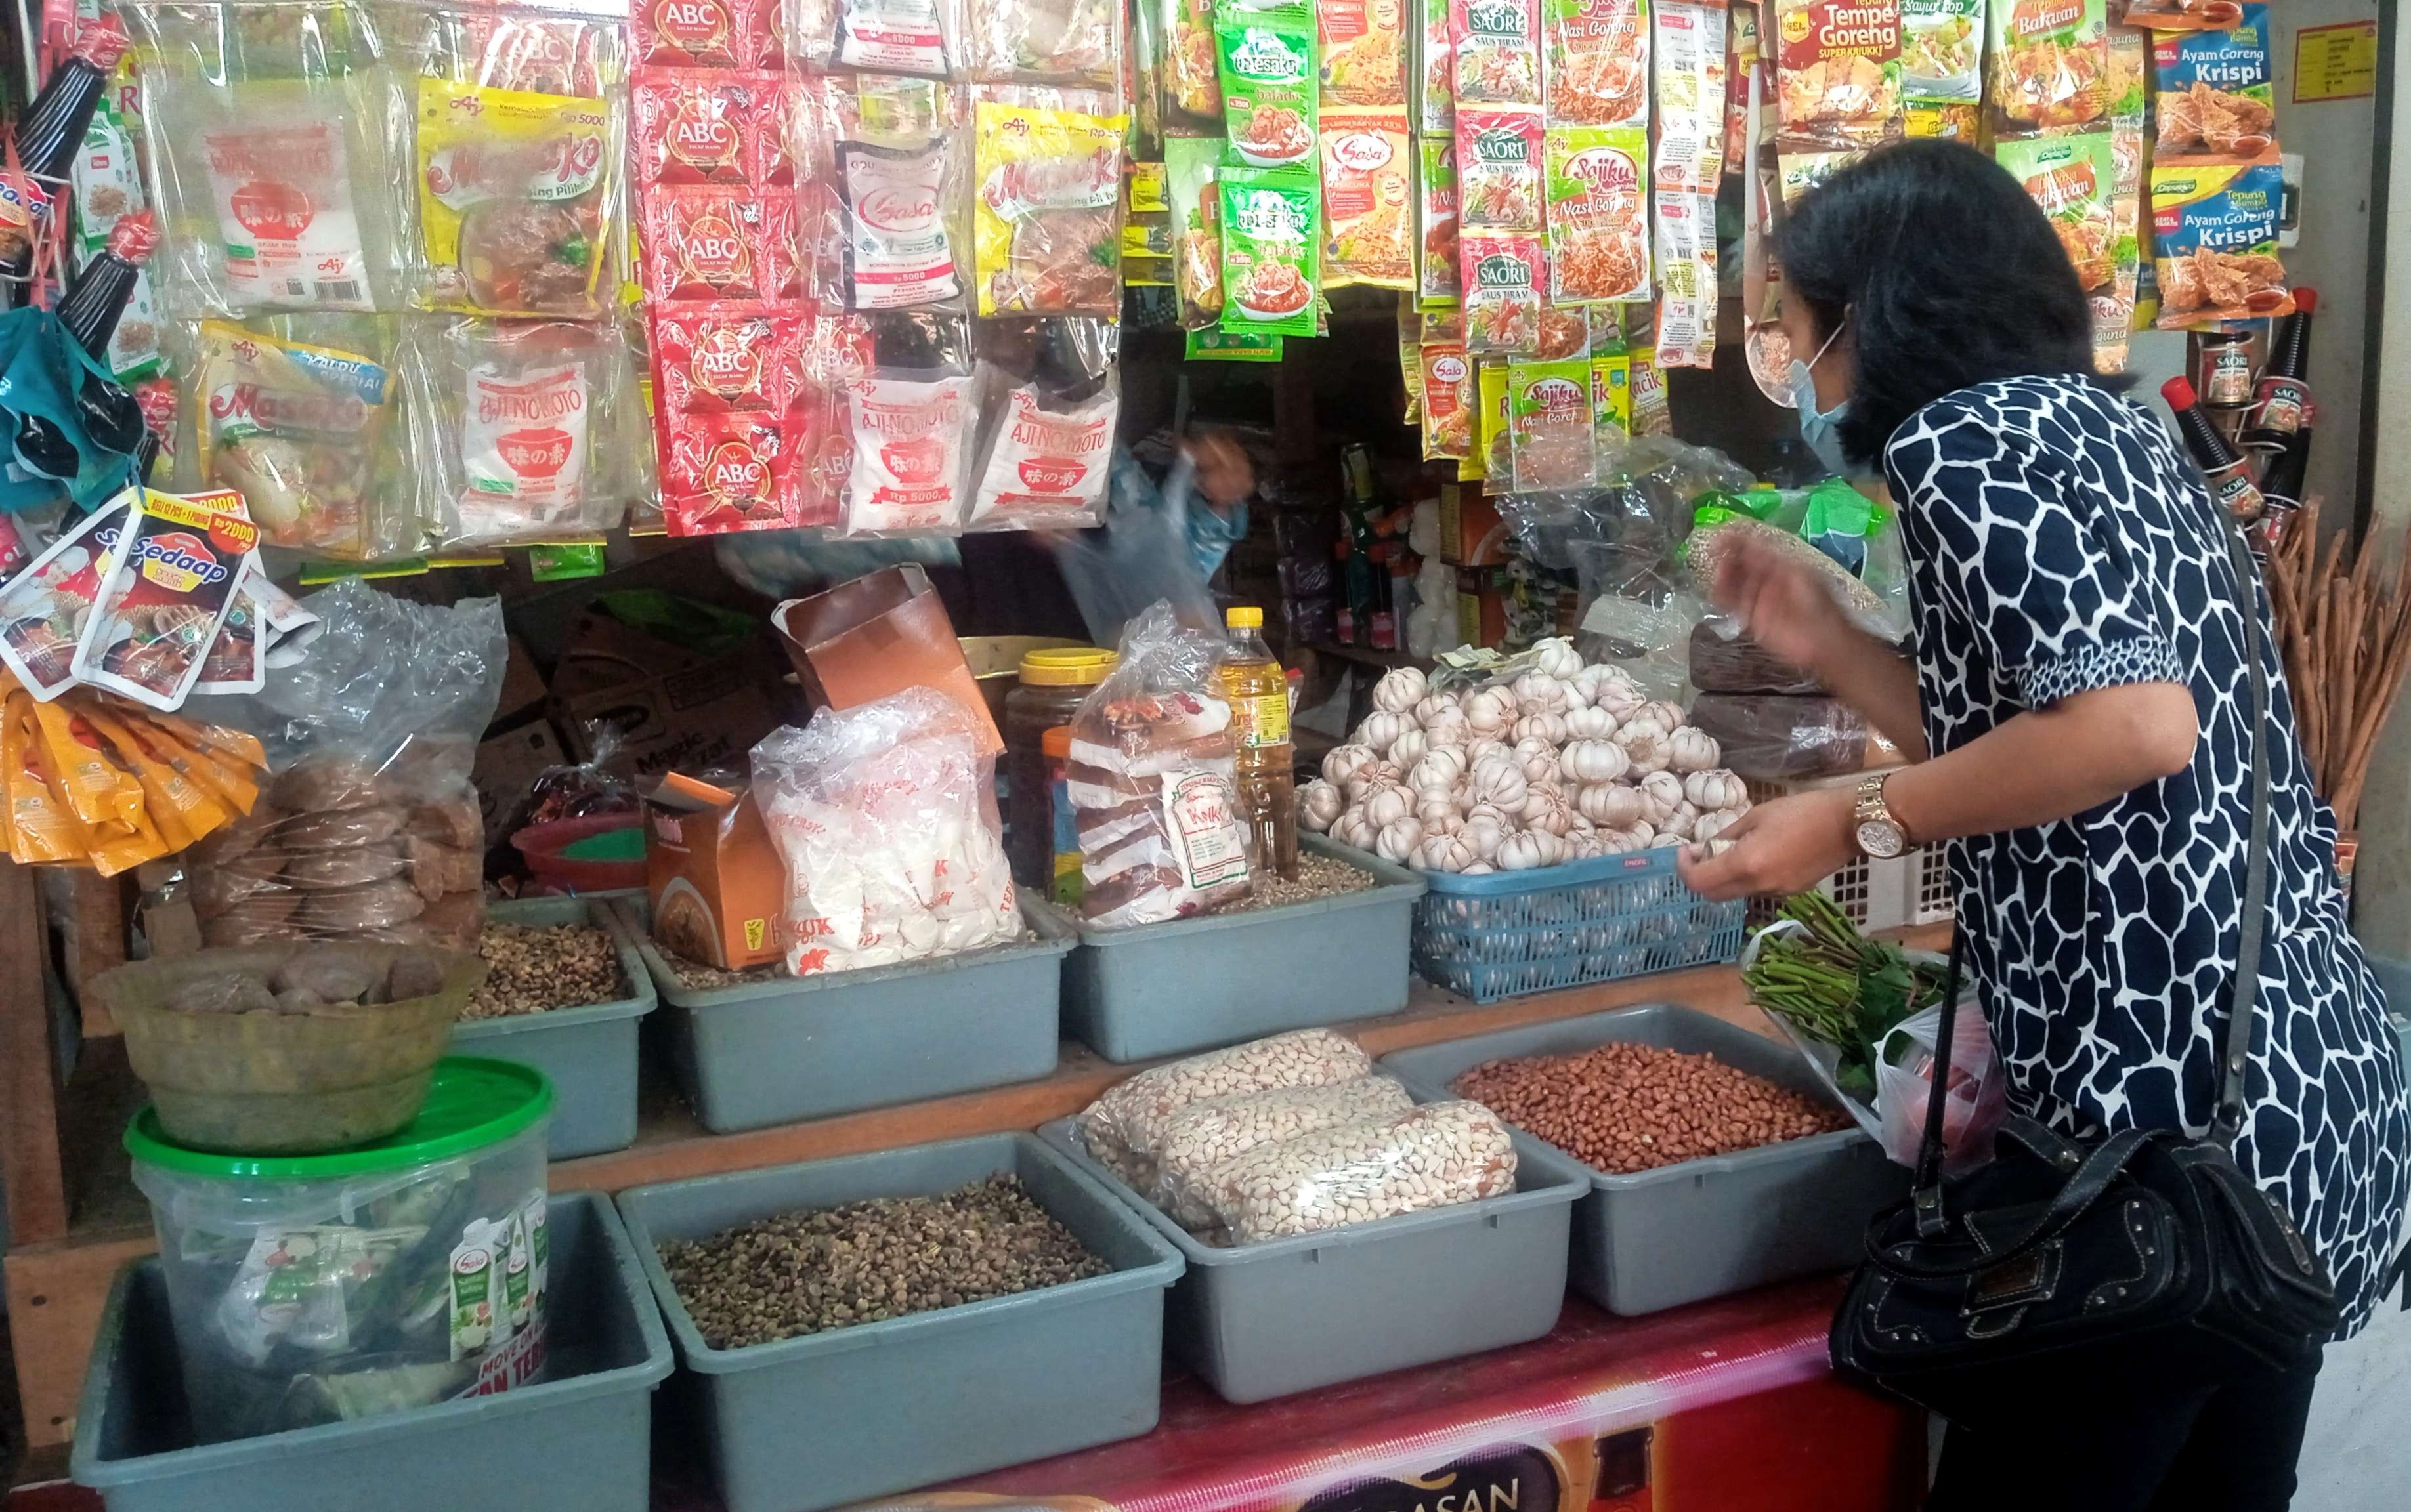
[1171, 988]
[1054, 680]
[599, 865]
[288, 1276]
[1252, 681]
[282, 1083]
[773, 1051]
[581, 1434]
[1698, 1228]
[589, 1053]
[837, 1417]
[1267, 1320]
[1513, 933]
[1068, 882]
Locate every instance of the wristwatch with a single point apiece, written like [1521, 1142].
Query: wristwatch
[1880, 834]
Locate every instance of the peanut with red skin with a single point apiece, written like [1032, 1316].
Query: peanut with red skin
[1626, 1108]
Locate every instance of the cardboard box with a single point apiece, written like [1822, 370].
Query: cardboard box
[523, 689]
[861, 640]
[718, 888]
[1470, 531]
[506, 766]
[674, 710]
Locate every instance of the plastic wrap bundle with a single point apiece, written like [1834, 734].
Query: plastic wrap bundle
[1436, 1155]
[885, 817]
[1773, 737]
[1125, 1128]
[1722, 663]
[1152, 780]
[370, 829]
[1204, 1135]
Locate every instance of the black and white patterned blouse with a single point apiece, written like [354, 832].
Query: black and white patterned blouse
[2059, 543]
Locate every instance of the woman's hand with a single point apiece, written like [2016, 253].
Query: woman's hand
[1783, 607]
[1224, 474]
[1781, 847]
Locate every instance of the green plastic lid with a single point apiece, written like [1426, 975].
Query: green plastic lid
[627, 844]
[472, 1104]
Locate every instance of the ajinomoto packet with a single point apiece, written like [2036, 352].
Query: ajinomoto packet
[1503, 280]
[2214, 239]
[1498, 50]
[1597, 214]
[1451, 398]
[518, 192]
[1195, 204]
[2215, 90]
[1435, 285]
[1269, 88]
[1553, 436]
[1270, 270]
[2074, 178]
[1494, 455]
[295, 429]
[1837, 72]
[1364, 51]
[2048, 58]
[1941, 52]
[1598, 71]
[1367, 199]
[1047, 219]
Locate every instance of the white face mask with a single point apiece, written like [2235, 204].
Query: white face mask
[1818, 426]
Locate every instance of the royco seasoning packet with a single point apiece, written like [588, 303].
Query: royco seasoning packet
[2047, 62]
[1611, 395]
[1367, 199]
[1497, 46]
[1837, 71]
[1941, 52]
[1219, 345]
[1494, 455]
[1598, 213]
[168, 589]
[1499, 168]
[2074, 178]
[2214, 90]
[1195, 204]
[1598, 62]
[1269, 84]
[1435, 285]
[1046, 218]
[1270, 273]
[1554, 435]
[1503, 280]
[2214, 239]
[1363, 50]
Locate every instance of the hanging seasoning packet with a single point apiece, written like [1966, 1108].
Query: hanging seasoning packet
[1368, 200]
[1195, 204]
[44, 608]
[895, 37]
[1269, 91]
[298, 430]
[1838, 72]
[1498, 169]
[1270, 273]
[1941, 52]
[1597, 214]
[1191, 67]
[1363, 50]
[1503, 292]
[1436, 71]
[899, 250]
[1553, 436]
[1436, 222]
[1449, 399]
[2214, 239]
[2214, 90]
[1046, 227]
[1598, 62]
[910, 435]
[518, 192]
[167, 593]
[2073, 178]
[2047, 62]
[1497, 46]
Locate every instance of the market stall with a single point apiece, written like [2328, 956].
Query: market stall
[769, 718]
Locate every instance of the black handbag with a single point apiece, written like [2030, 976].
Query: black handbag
[2063, 1269]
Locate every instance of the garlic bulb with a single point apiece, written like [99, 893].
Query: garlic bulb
[1446, 852]
[1481, 746]
[1550, 727]
[1611, 803]
[1690, 750]
[1440, 816]
[1499, 779]
[1489, 711]
[1409, 748]
[1556, 656]
[1387, 805]
[1341, 763]
[1647, 752]
[1319, 804]
[1668, 713]
[1524, 853]
[1585, 845]
[1537, 692]
[1593, 761]
[1641, 724]
[1400, 690]
[1381, 730]
[1353, 830]
[1586, 723]
[1495, 814]
[1380, 772]
[1547, 813]
[1708, 826]
[1609, 688]
[1449, 727]
[1398, 838]
[1660, 793]
[1430, 707]
[1480, 869]
[1710, 849]
[1715, 789]
[1663, 841]
[1484, 837]
[1620, 842]
[1642, 832]
[1679, 822]
[1539, 763]
[1438, 770]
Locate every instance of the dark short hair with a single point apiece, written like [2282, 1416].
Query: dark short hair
[1948, 273]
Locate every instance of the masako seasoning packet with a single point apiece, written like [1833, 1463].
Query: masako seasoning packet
[167, 593]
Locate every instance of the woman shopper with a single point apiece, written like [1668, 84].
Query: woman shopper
[2077, 713]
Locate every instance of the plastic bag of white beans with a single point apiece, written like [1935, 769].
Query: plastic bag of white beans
[1125, 1128]
[1204, 1135]
[1436, 1155]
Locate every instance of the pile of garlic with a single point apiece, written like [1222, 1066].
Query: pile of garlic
[1565, 763]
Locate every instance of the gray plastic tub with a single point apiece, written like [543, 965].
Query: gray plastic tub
[1698, 1228]
[579, 1437]
[775, 1052]
[1189, 984]
[1265, 1320]
[589, 1051]
[833, 1418]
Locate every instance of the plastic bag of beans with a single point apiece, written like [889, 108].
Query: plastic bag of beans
[1204, 1135]
[1975, 1099]
[1125, 1128]
[1436, 1155]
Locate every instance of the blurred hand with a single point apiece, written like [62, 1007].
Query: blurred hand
[1224, 474]
[1782, 606]
[1780, 847]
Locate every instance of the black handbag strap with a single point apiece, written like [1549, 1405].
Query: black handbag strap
[2094, 1176]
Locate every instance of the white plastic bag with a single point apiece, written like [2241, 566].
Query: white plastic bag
[1975, 1101]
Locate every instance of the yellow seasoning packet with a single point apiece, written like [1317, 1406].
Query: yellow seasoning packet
[41, 829]
[1046, 211]
[518, 192]
[104, 800]
[182, 807]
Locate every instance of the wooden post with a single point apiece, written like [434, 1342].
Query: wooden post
[30, 1163]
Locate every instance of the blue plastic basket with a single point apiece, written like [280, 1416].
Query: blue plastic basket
[1513, 933]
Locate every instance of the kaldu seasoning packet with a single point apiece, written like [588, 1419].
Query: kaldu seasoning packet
[1046, 217]
[1837, 72]
[2214, 239]
[1271, 221]
[2049, 63]
[169, 590]
[295, 429]
[1598, 62]
[518, 192]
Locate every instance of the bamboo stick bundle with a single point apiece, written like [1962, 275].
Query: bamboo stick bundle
[2344, 631]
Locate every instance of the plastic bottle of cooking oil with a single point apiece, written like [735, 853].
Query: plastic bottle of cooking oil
[1258, 691]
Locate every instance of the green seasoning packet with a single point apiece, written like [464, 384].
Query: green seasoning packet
[1436, 223]
[1270, 234]
[1267, 59]
[2073, 178]
[2048, 59]
[1553, 435]
[1219, 345]
[1194, 205]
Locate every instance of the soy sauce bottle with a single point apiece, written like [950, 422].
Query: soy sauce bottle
[2285, 390]
[2229, 479]
[48, 134]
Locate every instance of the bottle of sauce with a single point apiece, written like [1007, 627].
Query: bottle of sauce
[1258, 691]
[1053, 682]
[2231, 481]
[48, 134]
[2285, 388]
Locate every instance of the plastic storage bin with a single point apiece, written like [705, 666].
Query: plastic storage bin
[588, 1051]
[578, 1438]
[774, 1051]
[837, 1417]
[1265, 1320]
[286, 1277]
[1191, 984]
[1699, 1228]
[1502, 936]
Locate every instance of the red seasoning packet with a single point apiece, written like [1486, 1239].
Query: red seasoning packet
[167, 594]
[692, 126]
[706, 243]
[708, 33]
[723, 472]
[715, 361]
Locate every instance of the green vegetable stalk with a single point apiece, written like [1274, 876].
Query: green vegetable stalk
[1835, 985]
